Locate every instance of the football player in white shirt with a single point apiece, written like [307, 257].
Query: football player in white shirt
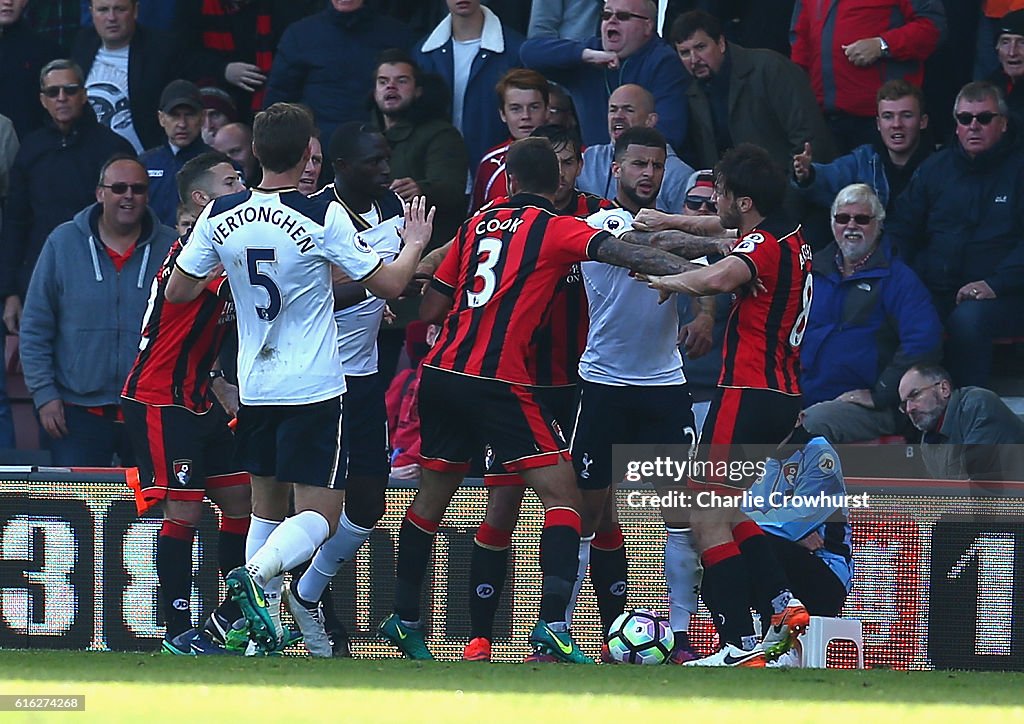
[277, 247]
[362, 174]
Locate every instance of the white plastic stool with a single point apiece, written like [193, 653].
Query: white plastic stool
[822, 631]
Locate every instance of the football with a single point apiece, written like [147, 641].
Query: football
[640, 637]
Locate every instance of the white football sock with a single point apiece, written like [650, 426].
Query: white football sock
[581, 573]
[293, 542]
[681, 573]
[341, 547]
[259, 530]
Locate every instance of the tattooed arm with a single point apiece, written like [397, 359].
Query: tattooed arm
[727, 275]
[682, 243]
[639, 257]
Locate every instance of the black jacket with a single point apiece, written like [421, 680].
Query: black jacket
[153, 62]
[23, 53]
[53, 178]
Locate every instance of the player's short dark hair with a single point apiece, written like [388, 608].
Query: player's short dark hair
[280, 136]
[560, 137]
[639, 136]
[522, 79]
[694, 21]
[898, 88]
[748, 170]
[393, 56]
[533, 164]
[114, 159]
[347, 139]
[192, 174]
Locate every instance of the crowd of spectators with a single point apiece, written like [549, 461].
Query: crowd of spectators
[925, 256]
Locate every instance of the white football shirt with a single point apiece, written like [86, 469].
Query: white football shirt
[632, 338]
[359, 324]
[277, 248]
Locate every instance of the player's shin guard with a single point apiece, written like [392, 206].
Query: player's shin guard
[341, 547]
[609, 575]
[415, 541]
[488, 567]
[769, 584]
[681, 573]
[581, 573]
[559, 560]
[725, 576]
[174, 572]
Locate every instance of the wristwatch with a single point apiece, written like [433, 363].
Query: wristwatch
[884, 46]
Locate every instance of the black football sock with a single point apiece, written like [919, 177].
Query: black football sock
[174, 573]
[608, 573]
[488, 567]
[770, 587]
[559, 561]
[415, 541]
[725, 577]
[231, 555]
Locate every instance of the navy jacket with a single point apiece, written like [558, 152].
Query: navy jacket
[23, 53]
[327, 61]
[162, 165]
[962, 219]
[482, 127]
[53, 178]
[655, 66]
[865, 331]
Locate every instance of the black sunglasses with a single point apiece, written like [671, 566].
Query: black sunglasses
[693, 203]
[860, 219]
[52, 91]
[984, 118]
[621, 15]
[122, 188]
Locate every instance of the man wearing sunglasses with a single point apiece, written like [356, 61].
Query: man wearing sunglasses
[871, 319]
[628, 50]
[52, 179]
[960, 226]
[83, 316]
[967, 433]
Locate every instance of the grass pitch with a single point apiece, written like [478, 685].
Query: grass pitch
[149, 687]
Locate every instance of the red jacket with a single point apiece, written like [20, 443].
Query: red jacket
[821, 28]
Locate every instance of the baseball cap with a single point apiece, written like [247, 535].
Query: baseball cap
[180, 93]
[216, 99]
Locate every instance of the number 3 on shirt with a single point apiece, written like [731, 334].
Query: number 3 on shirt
[253, 259]
[489, 252]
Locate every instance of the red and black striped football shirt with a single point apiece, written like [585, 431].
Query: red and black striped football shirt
[761, 349]
[180, 343]
[505, 268]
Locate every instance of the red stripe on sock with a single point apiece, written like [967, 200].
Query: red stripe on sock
[492, 537]
[427, 526]
[746, 530]
[177, 529]
[608, 541]
[562, 516]
[238, 526]
[719, 553]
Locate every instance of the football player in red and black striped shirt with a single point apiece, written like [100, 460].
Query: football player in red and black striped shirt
[477, 386]
[758, 397]
[185, 447]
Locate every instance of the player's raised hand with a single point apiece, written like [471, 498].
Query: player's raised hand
[802, 164]
[419, 223]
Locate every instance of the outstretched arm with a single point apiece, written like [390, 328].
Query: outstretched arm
[682, 243]
[640, 257]
[727, 275]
